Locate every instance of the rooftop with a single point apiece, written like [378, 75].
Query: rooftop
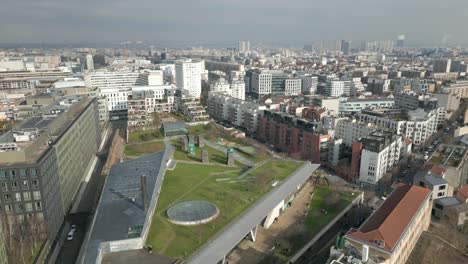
[121, 212]
[384, 228]
[448, 201]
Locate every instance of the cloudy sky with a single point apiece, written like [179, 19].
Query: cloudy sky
[225, 21]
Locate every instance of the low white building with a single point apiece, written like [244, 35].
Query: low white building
[355, 105]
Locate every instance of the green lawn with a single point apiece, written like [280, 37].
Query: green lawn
[141, 149]
[142, 136]
[332, 201]
[202, 129]
[198, 182]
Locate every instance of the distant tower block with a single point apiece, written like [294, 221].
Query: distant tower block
[204, 156]
[201, 144]
[185, 142]
[230, 158]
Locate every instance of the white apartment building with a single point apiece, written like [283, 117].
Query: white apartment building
[377, 159]
[238, 89]
[234, 89]
[292, 87]
[117, 99]
[189, 76]
[261, 83]
[355, 105]
[417, 126]
[238, 112]
[352, 130]
[335, 88]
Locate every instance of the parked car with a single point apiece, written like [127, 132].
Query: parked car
[73, 228]
[70, 235]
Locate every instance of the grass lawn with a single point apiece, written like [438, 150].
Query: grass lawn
[324, 198]
[202, 129]
[142, 136]
[198, 182]
[141, 149]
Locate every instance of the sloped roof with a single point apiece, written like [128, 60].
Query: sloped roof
[389, 222]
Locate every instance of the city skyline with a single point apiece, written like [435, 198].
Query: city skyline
[208, 21]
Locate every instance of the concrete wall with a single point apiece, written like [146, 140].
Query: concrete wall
[270, 219]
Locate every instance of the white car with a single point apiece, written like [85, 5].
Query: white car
[70, 235]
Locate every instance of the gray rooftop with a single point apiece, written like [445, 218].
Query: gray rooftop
[120, 214]
[226, 240]
[448, 201]
[430, 177]
[173, 125]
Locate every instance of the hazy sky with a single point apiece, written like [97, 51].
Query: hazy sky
[226, 21]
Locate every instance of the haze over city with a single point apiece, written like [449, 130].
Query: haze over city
[213, 22]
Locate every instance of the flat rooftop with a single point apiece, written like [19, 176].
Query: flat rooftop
[121, 212]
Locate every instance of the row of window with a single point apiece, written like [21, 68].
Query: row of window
[15, 185]
[14, 174]
[22, 208]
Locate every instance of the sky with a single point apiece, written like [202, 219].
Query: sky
[294, 22]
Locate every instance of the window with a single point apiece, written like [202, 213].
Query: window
[33, 172]
[35, 184]
[13, 174]
[6, 197]
[38, 206]
[440, 194]
[18, 208]
[23, 173]
[14, 186]
[25, 185]
[442, 187]
[26, 196]
[37, 195]
[17, 197]
[4, 186]
[3, 175]
[28, 207]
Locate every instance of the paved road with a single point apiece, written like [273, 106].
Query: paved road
[224, 149]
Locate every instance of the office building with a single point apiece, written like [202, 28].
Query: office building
[244, 46]
[400, 41]
[389, 235]
[442, 65]
[189, 76]
[292, 87]
[44, 160]
[89, 62]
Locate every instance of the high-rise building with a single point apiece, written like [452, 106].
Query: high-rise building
[401, 41]
[442, 65]
[44, 161]
[244, 46]
[345, 47]
[189, 76]
[89, 62]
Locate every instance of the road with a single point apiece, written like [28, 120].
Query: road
[70, 249]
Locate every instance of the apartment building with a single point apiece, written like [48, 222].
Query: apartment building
[234, 89]
[389, 235]
[44, 160]
[240, 113]
[146, 100]
[381, 150]
[355, 105]
[189, 76]
[459, 88]
[436, 183]
[297, 137]
[417, 125]
[350, 130]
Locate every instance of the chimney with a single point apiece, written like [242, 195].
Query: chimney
[365, 253]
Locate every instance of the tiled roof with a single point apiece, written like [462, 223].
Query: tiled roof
[385, 227]
[463, 191]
